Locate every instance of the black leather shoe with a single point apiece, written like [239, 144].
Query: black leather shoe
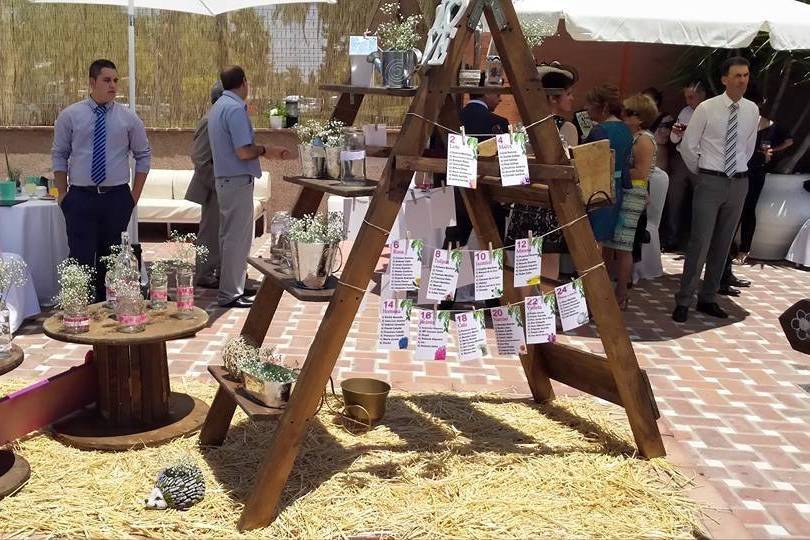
[681, 313]
[250, 292]
[240, 302]
[734, 281]
[728, 290]
[712, 309]
[208, 283]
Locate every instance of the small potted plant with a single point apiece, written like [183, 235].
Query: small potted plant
[235, 351]
[334, 139]
[159, 284]
[13, 173]
[398, 58]
[314, 241]
[75, 294]
[13, 273]
[311, 148]
[266, 379]
[277, 113]
[185, 254]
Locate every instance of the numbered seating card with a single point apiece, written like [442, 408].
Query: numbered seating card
[471, 335]
[512, 159]
[572, 305]
[431, 338]
[395, 323]
[462, 161]
[509, 336]
[444, 274]
[406, 264]
[488, 274]
[528, 255]
[541, 322]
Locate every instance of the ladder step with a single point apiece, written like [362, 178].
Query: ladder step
[334, 187]
[286, 281]
[254, 410]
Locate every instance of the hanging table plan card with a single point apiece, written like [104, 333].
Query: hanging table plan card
[472, 339]
[462, 161]
[528, 252]
[488, 274]
[406, 264]
[572, 305]
[512, 158]
[444, 274]
[395, 323]
[541, 324]
[509, 336]
[431, 338]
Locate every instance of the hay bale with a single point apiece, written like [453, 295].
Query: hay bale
[440, 466]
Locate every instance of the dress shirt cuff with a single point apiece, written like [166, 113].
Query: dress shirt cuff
[60, 163]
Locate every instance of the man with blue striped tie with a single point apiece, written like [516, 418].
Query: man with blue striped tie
[92, 143]
[717, 145]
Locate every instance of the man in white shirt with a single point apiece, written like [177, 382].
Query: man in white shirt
[681, 180]
[716, 146]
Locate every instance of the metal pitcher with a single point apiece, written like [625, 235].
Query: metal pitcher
[396, 67]
[313, 160]
[314, 263]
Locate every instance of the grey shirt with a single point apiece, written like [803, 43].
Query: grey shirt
[202, 182]
[72, 150]
[229, 128]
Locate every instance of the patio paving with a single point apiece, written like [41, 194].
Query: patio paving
[730, 392]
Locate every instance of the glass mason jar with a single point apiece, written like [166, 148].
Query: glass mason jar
[76, 319]
[109, 279]
[129, 312]
[353, 157]
[158, 291]
[280, 239]
[185, 293]
[5, 332]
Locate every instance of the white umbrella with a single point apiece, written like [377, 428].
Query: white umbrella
[707, 23]
[200, 7]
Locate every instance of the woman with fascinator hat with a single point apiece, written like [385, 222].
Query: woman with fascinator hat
[558, 82]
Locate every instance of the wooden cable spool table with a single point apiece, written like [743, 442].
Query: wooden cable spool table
[134, 402]
[14, 470]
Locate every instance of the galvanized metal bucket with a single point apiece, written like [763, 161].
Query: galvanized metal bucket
[270, 393]
[396, 67]
[314, 263]
[313, 160]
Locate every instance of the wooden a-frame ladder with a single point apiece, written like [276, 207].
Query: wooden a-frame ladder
[615, 377]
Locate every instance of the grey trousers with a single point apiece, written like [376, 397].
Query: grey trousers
[208, 236]
[235, 195]
[716, 208]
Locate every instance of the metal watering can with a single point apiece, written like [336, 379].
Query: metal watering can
[396, 67]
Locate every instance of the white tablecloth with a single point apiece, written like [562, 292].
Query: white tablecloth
[35, 230]
[21, 301]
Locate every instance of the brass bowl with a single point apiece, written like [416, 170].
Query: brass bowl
[365, 398]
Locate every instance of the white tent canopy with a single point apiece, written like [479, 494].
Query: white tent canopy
[708, 23]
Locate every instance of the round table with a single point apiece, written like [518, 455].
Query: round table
[14, 470]
[134, 402]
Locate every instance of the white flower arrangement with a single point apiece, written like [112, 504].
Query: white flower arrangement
[266, 365]
[75, 285]
[329, 134]
[13, 273]
[185, 250]
[398, 34]
[311, 229]
[536, 31]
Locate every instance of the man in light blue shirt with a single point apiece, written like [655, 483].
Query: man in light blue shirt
[236, 163]
[91, 146]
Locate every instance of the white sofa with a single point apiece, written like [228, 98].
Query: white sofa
[162, 199]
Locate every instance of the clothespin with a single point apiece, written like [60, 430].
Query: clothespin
[490, 250]
[511, 135]
[435, 307]
[530, 236]
[463, 136]
[408, 237]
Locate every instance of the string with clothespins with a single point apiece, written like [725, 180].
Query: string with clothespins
[451, 130]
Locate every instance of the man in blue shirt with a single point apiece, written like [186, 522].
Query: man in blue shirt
[92, 143]
[236, 164]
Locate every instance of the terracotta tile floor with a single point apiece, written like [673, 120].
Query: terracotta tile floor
[730, 392]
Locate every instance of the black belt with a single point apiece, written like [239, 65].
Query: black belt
[722, 174]
[99, 189]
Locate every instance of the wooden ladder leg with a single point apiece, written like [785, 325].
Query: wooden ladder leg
[477, 203]
[567, 203]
